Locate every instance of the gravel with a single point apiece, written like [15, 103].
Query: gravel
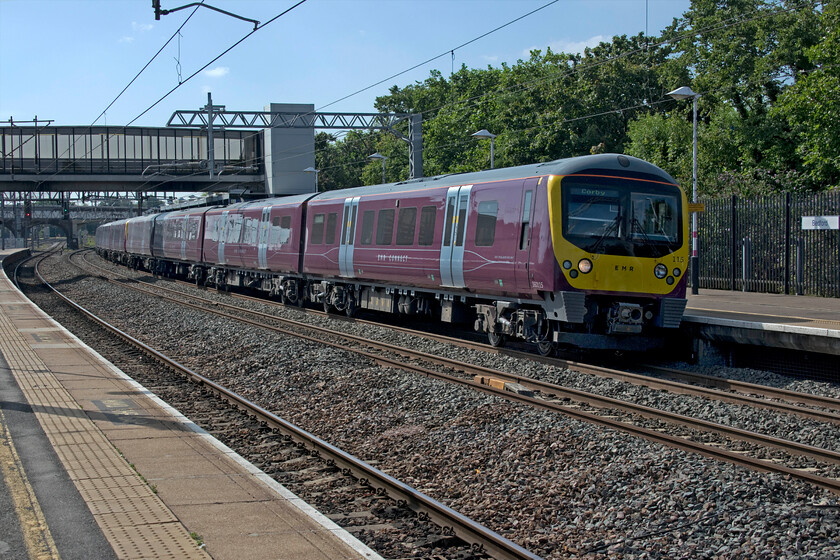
[557, 486]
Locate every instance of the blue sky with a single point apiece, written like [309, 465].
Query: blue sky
[66, 60]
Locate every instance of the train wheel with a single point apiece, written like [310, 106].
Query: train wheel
[545, 348]
[327, 306]
[496, 340]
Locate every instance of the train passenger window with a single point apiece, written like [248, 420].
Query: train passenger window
[427, 225]
[406, 225]
[332, 218]
[234, 228]
[212, 228]
[281, 231]
[251, 230]
[485, 226]
[318, 229]
[525, 232]
[367, 227]
[462, 221]
[385, 227]
[192, 230]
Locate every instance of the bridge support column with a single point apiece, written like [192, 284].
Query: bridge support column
[288, 151]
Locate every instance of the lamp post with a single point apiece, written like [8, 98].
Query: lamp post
[483, 133]
[686, 92]
[315, 171]
[377, 155]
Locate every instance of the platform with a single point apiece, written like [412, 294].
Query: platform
[95, 466]
[806, 323]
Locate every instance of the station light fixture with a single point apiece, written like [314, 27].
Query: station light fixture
[679, 94]
[377, 155]
[315, 171]
[483, 133]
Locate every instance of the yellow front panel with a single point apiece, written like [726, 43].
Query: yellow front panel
[612, 273]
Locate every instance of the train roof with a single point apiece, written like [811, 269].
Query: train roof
[625, 165]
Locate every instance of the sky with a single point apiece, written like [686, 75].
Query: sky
[67, 60]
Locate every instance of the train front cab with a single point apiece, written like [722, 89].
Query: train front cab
[620, 244]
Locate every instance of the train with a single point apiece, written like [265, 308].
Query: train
[587, 252]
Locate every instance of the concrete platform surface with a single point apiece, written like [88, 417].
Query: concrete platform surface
[117, 473]
[803, 323]
[805, 311]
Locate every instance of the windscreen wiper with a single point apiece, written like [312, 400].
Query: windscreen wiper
[608, 231]
[638, 225]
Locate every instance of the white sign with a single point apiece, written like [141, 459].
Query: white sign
[820, 222]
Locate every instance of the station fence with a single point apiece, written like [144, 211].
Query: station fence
[758, 245]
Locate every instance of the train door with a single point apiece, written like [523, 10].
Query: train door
[223, 233]
[348, 236]
[265, 230]
[455, 229]
[522, 269]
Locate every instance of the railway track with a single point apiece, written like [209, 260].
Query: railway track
[297, 458]
[605, 411]
[667, 379]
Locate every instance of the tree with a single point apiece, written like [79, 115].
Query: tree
[812, 105]
[742, 55]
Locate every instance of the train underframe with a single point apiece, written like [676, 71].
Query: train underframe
[559, 319]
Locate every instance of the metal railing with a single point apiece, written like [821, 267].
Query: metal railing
[758, 245]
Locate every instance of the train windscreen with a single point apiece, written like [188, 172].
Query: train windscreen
[621, 217]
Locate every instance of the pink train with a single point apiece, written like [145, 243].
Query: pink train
[588, 251]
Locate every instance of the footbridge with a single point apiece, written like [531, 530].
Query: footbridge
[206, 150]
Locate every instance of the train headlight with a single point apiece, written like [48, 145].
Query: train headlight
[677, 272]
[585, 265]
[567, 264]
[661, 271]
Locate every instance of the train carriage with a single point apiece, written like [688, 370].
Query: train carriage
[139, 235]
[588, 251]
[177, 242]
[256, 245]
[110, 239]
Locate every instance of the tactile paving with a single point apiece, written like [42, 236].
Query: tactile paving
[135, 522]
[160, 541]
[93, 414]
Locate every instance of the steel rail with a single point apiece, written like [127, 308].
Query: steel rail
[580, 396]
[745, 387]
[588, 398]
[714, 387]
[451, 521]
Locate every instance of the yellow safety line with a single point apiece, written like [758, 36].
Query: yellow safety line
[810, 319]
[33, 525]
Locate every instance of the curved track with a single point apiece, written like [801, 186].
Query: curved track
[546, 395]
[482, 541]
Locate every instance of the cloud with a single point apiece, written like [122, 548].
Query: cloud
[126, 39]
[217, 72]
[490, 58]
[570, 47]
[141, 26]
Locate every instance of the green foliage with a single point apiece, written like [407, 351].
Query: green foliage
[812, 105]
[768, 117]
